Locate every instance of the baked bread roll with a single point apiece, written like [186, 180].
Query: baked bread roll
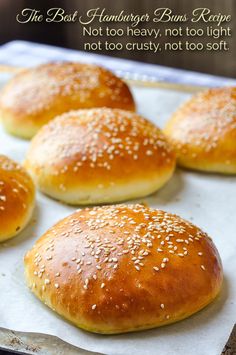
[203, 131]
[98, 156]
[35, 96]
[117, 269]
[17, 195]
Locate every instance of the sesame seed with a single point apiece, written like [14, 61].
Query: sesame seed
[111, 241]
[149, 152]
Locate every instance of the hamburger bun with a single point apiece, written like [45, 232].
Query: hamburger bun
[203, 131]
[99, 156]
[35, 96]
[117, 269]
[17, 197]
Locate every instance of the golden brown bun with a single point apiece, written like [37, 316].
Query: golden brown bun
[203, 131]
[99, 155]
[118, 269]
[37, 95]
[17, 194]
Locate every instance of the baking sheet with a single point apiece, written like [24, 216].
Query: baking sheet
[205, 199]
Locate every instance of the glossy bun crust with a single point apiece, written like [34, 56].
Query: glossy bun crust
[118, 269]
[203, 131]
[17, 194]
[99, 155]
[35, 96]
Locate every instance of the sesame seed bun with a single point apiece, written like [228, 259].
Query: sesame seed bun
[35, 96]
[17, 195]
[203, 131]
[98, 156]
[117, 269]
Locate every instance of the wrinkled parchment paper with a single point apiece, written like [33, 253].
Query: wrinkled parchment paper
[207, 200]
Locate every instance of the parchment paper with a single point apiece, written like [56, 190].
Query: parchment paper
[207, 200]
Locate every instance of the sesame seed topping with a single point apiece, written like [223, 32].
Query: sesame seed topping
[114, 236]
[214, 120]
